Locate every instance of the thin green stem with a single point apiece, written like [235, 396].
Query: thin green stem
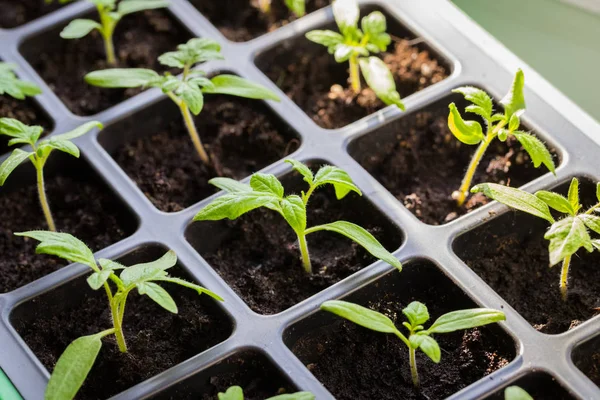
[355, 74]
[413, 367]
[191, 127]
[592, 209]
[108, 29]
[305, 256]
[39, 166]
[564, 276]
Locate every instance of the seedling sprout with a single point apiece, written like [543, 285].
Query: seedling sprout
[236, 393]
[516, 393]
[298, 7]
[13, 86]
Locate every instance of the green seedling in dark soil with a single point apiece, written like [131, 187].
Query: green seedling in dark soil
[298, 7]
[187, 90]
[39, 153]
[498, 125]
[566, 235]
[110, 13]
[354, 44]
[13, 86]
[236, 393]
[78, 358]
[516, 393]
[265, 190]
[417, 315]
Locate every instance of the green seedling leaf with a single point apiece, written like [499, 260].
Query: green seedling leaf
[337, 177]
[329, 39]
[598, 191]
[79, 131]
[133, 6]
[362, 237]
[61, 145]
[514, 101]
[515, 198]
[374, 25]
[234, 205]
[191, 95]
[294, 396]
[294, 212]
[346, 14]
[62, 245]
[233, 393]
[465, 319]
[230, 185]
[591, 221]
[79, 28]
[573, 195]
[381, 81]
[360, 315]
[482, 102]
[566, 236]
[237, 86]
[538, 152]
[97, 279]
[416, 313]
[468, 132]
[298, 7]
[303, 170]
[121, 77]
[159, 295]
[13, 86]
[73, 367]
[428, 345]
[144, 272]
[110, 265]
[12, 162]
[516, 393]
[16, 129]
[556, 201]
[514, 123]
[268, 184]
[190, 285]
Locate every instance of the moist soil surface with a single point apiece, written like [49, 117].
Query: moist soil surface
[539, 386]
[81, 206]
[25, 111]
[139, 39]
[251, 371]
[15, 13]
[258, 255]
[240, 136]
[156, 339]
[511, 255]
[241, 20]
[311, 77]
[587, 358]
[356, 363]
[421, 163]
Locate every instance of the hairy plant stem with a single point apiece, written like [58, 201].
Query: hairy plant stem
[413, 367]
[108, 29]
[191, 128]
[461, 194]
[304, 252]
[355, 74]
[564, 275]
[39, 166]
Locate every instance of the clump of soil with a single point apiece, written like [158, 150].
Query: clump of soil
[139, 39]
[258, 256]
[15, 13]
[240, 135]
[156, 339]
[319, 85]
[25, 111]
[421, 163]
[241, 20]
[356, 363]
[81, 206]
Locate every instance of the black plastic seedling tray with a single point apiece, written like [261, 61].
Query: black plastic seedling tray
[435, 257]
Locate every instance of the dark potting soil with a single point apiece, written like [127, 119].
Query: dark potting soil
[258, 377]
[241, 137]
[511, 255]
[587, 358]
[15, 13]
[81, 206]
[356, 363]
[421, 163]
[319, 85]
[241, 20]
[139, 39]
[258, 255]
[25, 111]
[156, 338]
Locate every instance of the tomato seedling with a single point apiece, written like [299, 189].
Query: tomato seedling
[354, 44]
[187, 90]
[78, 358]
[265, 190]
[516, 393]
[417, 314]
[13, 86]
[498, 125]
[40, 151]
[566, 235]
[236, 393]
[298, 7]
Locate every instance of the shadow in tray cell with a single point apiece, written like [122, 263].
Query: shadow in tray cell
[539, 385]
[586, 357]
[157, 339]
[356, 363]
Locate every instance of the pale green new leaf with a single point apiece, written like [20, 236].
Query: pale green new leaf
[573, 194]
[362, 237]
[514, 123]
[302, 169]
[133, 6]
[237, 86]
[294, 212]
[538, 152]
[182, 282]
[159, 295]
[121, 77]
[230, 185]
[346, 14]
[566, 236]
[598, 191]
[16, 129]
[343, 52]
[149, 271]
[516, 393]
[325, 38]
[79, 28]
[191, 95]
[428, 345]
[62, 245]
[267, 183]
[381, 81]
[97, 279]
[110, 265]
[465, 319]
[61, 145]
[468, 132]
[591, 221]
[482, 102]
[73, 367]
[417, 313]
[515, 198]
[374, 23]
[555, 201]
[596, 244]
[514, 101]
[12, 162]
[294, 396]
[360, 315]
[298, 7]
[233, 205]
[13, 86]
[79, 131]
[233, 393]
[341, 181]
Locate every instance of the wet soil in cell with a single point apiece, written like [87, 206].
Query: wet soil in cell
[319, 85]
[139, 39]
[258, 256]
[540, 386]
[587, 358]
[156, 339]
[15, 13]
[81, 206]
[240, 136]
[25, 111]
[511, 255]
[356, 363]
[241, 20]
[257, 376]
[421, 163]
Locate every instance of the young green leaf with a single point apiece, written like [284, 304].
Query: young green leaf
[62, 245]
[268, 184]
[465, 319]
[234, 205]
[514, 101]
[13, 86]
[233, 393]
[337, 177]
[468, 132]
[428, 345]
[230, 185]
[294, 211]
[556, 201]
[237, 86]
[298, 7]
[97, 279]
[303, 170]
[516, 393]
[133, 6]
[199, 289]
[536, 149]
[566, 236]
[482, 102]
[79, 28]
[12, 162]
[294, 396]
[148, 271]
[346, 14]
[360, 315]
[381, 81]
[591, 221]
[110, 265]
[159, 295]
[121, 77]
[416, 313]
[573, 195]
[329, 39]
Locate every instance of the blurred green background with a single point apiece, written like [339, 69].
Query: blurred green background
[559, 40]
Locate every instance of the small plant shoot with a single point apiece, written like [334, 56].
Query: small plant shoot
[417, 314]
[13, 86]
[298, 7]
[78, 359]
[354, 45]
[187, 90]
[236, 393]
[39, 153]
[109, 13]
[516, 393]
[265, 190]
[566, 235]
[498, 125]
